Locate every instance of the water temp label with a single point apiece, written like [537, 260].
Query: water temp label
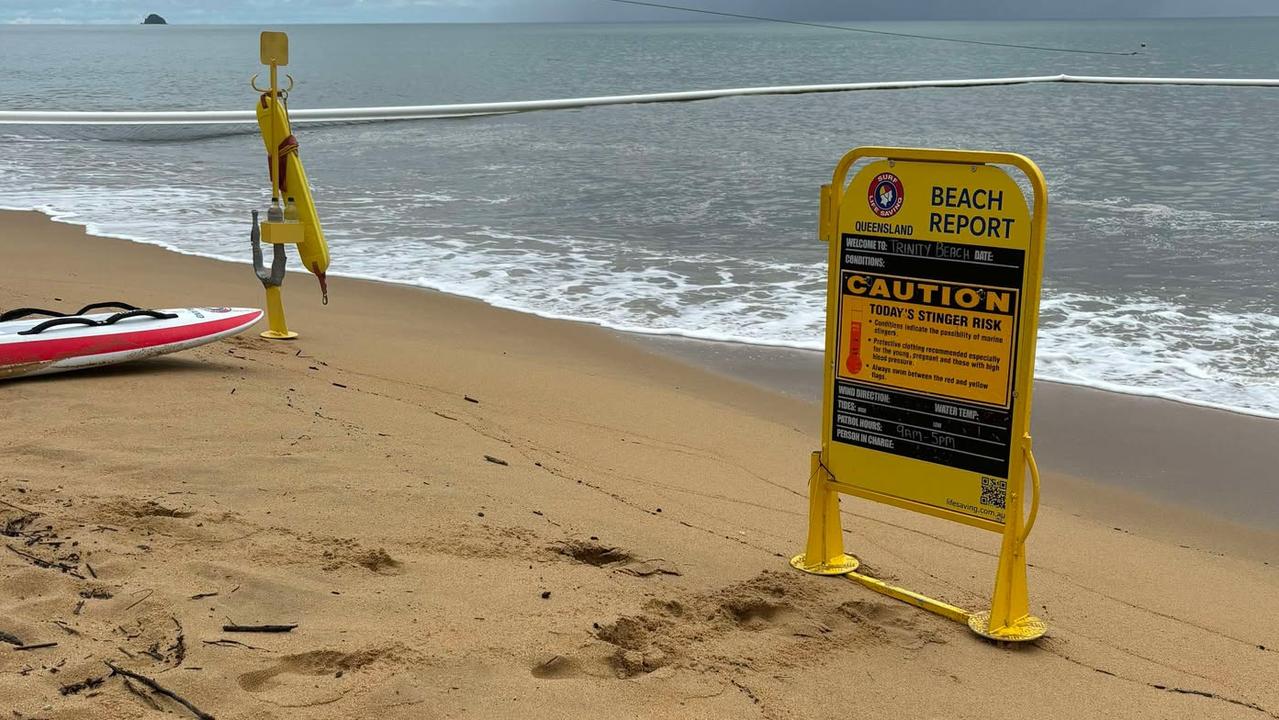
[927, 341]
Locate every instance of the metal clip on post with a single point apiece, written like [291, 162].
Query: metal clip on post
[272, 281]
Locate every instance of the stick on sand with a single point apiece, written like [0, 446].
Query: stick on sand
[259, 628]
[160, 689]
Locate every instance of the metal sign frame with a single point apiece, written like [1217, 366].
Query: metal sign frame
[1009, 617]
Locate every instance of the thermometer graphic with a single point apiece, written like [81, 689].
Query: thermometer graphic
[854, 361]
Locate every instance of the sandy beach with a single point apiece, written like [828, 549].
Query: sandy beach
[470, 512]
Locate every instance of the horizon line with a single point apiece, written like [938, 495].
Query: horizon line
[23, 22]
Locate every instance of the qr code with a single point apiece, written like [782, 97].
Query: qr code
[993, 492]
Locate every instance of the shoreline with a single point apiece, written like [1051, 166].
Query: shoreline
[673, 341]
[473, 511]
[796, 374]
[1136, 470]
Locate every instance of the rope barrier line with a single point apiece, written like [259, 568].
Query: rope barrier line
[868, 31]
[423, 112]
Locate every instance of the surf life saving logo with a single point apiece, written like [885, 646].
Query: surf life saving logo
[885, 195]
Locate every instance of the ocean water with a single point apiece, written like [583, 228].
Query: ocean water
[699, 219]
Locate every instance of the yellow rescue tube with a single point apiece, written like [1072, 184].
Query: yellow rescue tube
[273, 120]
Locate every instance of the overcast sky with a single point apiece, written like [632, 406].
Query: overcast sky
[280, 11]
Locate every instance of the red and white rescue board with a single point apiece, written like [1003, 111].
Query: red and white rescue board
[72, 347]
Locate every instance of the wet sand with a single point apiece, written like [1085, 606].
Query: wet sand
[1206, 459]
[472, 512]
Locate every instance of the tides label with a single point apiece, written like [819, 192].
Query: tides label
[926, 350]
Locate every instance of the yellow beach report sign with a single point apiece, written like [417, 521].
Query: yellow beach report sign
[935, 264]
[931, 264]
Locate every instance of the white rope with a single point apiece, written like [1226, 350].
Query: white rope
[418, 112]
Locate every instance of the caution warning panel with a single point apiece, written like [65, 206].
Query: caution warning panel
[928, 320]
[940, 327]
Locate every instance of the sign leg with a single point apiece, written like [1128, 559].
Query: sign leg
[275, 316]
[1009, 619]
[824, 553]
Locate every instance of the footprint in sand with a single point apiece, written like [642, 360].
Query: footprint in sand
[291, 680]
[754, 613]
[781, 607]
[894, 623]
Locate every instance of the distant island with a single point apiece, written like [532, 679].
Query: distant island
[154, 19]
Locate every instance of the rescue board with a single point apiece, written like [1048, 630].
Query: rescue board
[42, 345]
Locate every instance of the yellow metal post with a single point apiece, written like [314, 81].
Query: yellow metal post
[275, 316]
[1009, 618]
[274, 52]
[296, 223]
[274, 155]
[923, 602]
[824, 553]
[274, 298]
